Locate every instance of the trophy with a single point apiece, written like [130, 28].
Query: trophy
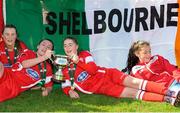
[60, 61]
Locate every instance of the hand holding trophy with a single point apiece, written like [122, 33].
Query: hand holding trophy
[74, 58]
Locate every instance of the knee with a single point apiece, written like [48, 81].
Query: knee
[135, 82]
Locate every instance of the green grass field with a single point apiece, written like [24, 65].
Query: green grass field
[32, 101]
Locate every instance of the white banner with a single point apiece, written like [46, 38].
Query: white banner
[118, 23]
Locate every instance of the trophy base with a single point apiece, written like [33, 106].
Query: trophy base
[57, 81]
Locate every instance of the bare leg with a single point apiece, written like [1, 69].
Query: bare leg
[132, 82]
[145, 85]
[129, 93]
[1, 70]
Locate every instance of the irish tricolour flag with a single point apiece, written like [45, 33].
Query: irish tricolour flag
[105, 27]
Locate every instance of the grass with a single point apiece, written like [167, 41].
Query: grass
[32, 101]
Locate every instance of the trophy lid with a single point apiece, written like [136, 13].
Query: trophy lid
[62, 56]
[61, 60]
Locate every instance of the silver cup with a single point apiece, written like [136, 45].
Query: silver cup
[60, 61]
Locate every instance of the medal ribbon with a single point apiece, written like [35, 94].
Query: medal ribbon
[71, 72]
[43, 74]
[15, 54]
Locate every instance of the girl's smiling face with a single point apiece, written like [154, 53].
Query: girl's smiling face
[9, 36]
[144, 54]
[70, 47]
[43, 46]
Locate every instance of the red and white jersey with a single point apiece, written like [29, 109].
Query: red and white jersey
[3, 56]
[88, 77]
[29, 77]
[157, 69]
[18, 79]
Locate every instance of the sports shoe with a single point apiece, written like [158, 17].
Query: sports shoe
[174, 94]
[173, 101]
[174, 90]
[178, 95]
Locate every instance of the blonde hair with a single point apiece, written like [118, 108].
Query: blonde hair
[132, 58]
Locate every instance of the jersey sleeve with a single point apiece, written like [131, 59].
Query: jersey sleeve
[26, 54]
[87, 63]
[23, 45]
[140, 72]
[166, 64]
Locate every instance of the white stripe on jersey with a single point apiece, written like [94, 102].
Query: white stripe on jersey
[31, 85]
[137, 68]
[101, 71]
[48, 79]
[82, 90]
[66, 84]
[20, 67]
[89, 59]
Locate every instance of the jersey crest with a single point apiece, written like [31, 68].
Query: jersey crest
[82, 76]
[32, 73]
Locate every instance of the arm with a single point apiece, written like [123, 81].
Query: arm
[90, 67]
[32, 62]
[176, 74]
[73, 94]
[167, 66]
[139, 71]
[46, 91]
[48, 83]
[171, 69]
[88, 64]
[66, 86]
[69, 91]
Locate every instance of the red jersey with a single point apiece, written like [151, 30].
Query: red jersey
[18, 79]
[90, 78]
[11, 54]
[157, 69]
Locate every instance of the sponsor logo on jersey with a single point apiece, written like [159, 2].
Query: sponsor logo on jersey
[82, 76]
[7, 65]
[32, 73]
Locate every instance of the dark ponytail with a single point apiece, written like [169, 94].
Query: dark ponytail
[132, 58]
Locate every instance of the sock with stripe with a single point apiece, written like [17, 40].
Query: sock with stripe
[153, 87]
[147, 96]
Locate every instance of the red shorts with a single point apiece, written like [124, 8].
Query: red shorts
[113, 83]
[8, 86]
